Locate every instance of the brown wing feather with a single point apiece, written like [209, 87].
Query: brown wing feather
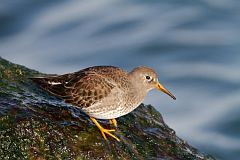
[82, 88]
[88, 90]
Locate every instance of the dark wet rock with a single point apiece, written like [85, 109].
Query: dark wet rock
[36, 125]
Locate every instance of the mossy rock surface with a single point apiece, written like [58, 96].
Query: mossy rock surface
[36, 125]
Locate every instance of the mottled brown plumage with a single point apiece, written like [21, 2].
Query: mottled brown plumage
[103, 92]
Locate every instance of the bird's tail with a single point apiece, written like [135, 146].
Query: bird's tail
[41, 81]
[51, 84]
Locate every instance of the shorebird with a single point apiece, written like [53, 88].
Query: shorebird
[104, 92]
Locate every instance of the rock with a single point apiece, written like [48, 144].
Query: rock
[36, 125]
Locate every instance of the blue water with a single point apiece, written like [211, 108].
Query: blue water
[193, 45]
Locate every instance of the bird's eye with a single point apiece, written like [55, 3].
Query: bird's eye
[148, 78]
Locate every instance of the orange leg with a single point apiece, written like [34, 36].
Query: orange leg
[103, 130]
[113, 121]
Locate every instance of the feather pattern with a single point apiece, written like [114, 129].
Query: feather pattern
[85, 87]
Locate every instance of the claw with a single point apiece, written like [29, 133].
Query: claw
[113, 121]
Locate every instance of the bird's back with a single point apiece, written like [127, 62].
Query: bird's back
[87, 86]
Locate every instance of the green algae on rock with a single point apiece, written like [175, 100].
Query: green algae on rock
[36, 125]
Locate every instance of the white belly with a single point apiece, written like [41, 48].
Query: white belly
[113, 106]
[109, 112]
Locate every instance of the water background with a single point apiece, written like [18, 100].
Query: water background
[193, 45]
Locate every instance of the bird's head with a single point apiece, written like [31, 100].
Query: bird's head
[146, 78]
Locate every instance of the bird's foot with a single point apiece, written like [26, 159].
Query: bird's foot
[113, 121]
[103, 130]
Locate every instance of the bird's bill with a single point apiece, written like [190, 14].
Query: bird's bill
[161, 88]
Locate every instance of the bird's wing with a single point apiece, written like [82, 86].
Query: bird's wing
[81, 88]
